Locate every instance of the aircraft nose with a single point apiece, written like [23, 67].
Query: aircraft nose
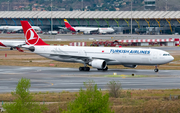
[171, 58]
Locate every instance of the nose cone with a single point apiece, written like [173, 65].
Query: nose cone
[170, 58]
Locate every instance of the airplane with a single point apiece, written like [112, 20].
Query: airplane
[97, 57]
[17, 28]
[12, 44]
[88, 30]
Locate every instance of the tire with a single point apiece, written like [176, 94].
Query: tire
[86, 68]
[81, 69]
[156, 70]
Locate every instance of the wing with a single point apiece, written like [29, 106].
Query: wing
[62, 27]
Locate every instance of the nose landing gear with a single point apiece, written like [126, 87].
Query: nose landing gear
[156, 69]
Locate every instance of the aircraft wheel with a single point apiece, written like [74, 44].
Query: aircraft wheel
[86, 69]
[81, 68]
[156, 70]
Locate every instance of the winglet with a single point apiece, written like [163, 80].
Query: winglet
[31, 36]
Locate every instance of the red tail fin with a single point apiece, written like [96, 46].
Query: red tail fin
[68, 26]
[31, 36]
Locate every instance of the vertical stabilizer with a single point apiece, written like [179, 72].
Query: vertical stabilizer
[31, 36]
[68, 26]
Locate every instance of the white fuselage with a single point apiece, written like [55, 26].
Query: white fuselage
[17, 28]
[90, 29]
[11, 43]
[112, 55]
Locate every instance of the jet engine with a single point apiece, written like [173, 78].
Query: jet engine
[99, 64]
[130, 66]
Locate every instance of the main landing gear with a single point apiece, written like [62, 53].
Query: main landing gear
[103, 69]
[156, 69]
[84, 69]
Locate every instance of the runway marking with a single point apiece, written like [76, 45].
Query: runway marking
[49, 83]
[38, 70]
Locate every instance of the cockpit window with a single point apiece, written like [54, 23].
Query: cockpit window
[166, 54]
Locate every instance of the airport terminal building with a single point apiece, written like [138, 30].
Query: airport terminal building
[143, 22]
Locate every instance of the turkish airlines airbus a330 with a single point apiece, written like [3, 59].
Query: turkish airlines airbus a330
[97, 57]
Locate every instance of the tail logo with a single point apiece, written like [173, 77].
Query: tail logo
[31, 37]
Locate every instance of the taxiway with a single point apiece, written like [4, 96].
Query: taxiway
[70, 79]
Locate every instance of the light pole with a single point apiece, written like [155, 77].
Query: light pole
[8, 5]
[51, 19]
[131, 17]
[37, 21]
[82, 5]
[166, 5]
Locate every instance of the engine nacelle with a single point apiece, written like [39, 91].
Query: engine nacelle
[130, 66]
[99, 64]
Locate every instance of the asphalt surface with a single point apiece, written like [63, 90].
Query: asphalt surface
[70, 79]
